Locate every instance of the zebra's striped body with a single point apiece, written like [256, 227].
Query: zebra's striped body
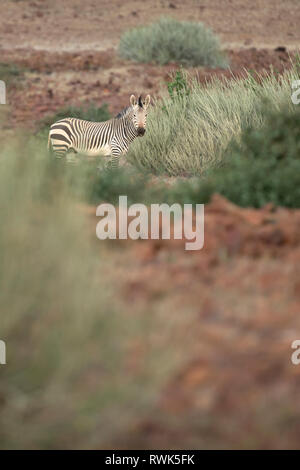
[109, 138]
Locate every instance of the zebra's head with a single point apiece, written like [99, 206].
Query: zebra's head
[139, 114]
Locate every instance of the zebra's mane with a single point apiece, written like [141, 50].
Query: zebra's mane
[123, 112]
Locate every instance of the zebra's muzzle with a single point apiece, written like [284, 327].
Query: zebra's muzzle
[141, 131]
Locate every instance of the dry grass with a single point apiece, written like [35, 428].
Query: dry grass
[190, 135]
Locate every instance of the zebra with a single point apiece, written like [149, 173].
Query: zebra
[108, 138]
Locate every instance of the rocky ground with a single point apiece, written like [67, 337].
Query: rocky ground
[98, 24]
[54, 80]
[70, 56]
[234, 315]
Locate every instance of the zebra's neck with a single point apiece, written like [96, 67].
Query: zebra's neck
[128, 128]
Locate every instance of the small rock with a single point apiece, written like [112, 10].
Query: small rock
[280, 49]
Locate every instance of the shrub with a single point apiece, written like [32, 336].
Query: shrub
[10, 73]
[262, 166]
[94, 182]
[107, 185]
[170, 40]
[265, 166]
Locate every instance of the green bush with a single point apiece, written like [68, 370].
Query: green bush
[11, 73]
[107, 185]
[265, 166]
[262, 166]
[169, 40]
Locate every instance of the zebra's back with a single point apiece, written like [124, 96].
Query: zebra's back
[85, 137]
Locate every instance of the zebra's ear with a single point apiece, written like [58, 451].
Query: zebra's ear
[133, 100]
[147, 101]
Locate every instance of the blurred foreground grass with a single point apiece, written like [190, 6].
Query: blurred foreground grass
[68, 381]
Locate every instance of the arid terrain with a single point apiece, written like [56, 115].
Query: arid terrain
[234, 308]
[97, 25]
[72, 58]
[240, 294]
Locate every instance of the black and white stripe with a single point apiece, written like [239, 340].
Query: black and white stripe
[109, 138]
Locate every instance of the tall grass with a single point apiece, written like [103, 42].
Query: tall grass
[170, 40]
[190, 135]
